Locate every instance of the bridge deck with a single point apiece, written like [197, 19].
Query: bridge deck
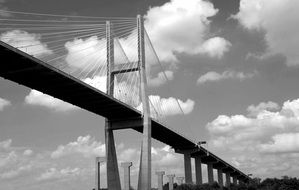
[26, 70]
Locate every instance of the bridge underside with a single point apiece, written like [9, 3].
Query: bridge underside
[26, 70]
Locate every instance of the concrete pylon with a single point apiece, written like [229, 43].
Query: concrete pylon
[98, 162]
[170, 181]
[113, 180]
[220, 177]
[144, 181]
[235, 180]
[160, 175]
[227, 178]
[210, 173]
[198, 170]
[180, 180]
[187, 166]
[127, 178]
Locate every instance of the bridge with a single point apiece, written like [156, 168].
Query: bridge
[45, 73]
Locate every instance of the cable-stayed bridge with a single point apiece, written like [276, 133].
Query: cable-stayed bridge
[104, 65]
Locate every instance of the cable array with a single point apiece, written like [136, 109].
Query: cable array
[77, 45]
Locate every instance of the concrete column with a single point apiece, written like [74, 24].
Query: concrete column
[188, 170]
[98, 162]
[210, 173]
[160, 179]
[220, 178]
[227, 177]
[113, 181]
[235, 180]
[198, 171]
[180, 180]
[170, 181]
[127, 178]
[144, 181]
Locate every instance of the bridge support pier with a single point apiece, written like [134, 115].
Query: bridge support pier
[113, 181]
[187, 166]
[198, 170]
[127, 175]
[170, 181]
[220, 177]
[160, 175]
[235, 180]
[227, 177]
[98, 162]
[210, 173]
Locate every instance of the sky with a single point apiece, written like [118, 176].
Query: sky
[233, 65]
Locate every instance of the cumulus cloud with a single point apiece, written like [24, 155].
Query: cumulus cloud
[214, 76]
[263, 141]
[182, 27]
[5, 145]
[161, 79]
[255, 110]
[86, 146]
[27, 42]
[54, 173]
[4, 103]
[163, 107]
[264, 124]
[39, 99]
[278, 19]
[282, 143]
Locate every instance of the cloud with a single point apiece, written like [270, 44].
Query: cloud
[264, 124]
[255, 110]
[54, 173]
[263, 141]
[5, 145]
[26, 42]
[214, 76]
[4, 103]
[161, 79]
[183, 27]
[278, 19]
[39, 99]
[86, 146]
[168, 106]
[282, 143]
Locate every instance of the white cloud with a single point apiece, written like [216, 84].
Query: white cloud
[86, 146]
[54, 173]
[214, 76]
[26, 42]
[28, 152]
[8, 159]
[37, 98]
[4, 103]
[282, 143]
[264, 141]
[168, 106]
[279, 19]
[261, 126]
[161, 79]
[182, 27]
[5, 144]
[255, 110]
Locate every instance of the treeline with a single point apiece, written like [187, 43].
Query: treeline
[285, 183]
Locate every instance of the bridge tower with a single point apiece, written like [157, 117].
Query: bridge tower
[144, 181]
[113, 180]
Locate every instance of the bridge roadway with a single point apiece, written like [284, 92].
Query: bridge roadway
[26, 70]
